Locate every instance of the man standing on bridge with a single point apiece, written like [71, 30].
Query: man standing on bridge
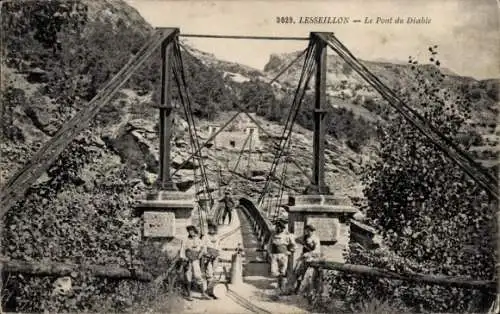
[192, 249]
[211, 257]
[281, 245]
[228, 204]
[311, 252]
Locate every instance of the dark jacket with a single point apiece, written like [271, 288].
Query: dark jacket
[228, 202]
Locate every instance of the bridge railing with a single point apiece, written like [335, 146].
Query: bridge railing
[261, 226]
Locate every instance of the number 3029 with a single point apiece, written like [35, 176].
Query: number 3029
[284, 20]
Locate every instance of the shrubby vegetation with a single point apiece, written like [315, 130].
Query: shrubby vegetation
[11, 98]
[433, 218]
[74, 218]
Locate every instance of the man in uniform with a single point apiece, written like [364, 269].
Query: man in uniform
[311, 252]
[228, 204]
[280, 246]
[192, 249]
[212, 253]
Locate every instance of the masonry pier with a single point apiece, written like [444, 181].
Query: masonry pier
[166, 212]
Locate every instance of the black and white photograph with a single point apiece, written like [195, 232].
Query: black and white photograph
[241, 156]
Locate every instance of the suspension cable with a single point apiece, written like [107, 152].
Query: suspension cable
[289, 135]
[459, 157]
[189, 116]
[249, 151]
[202, 166]
[288, 66]
[283, 178]
[193, 149]
[290, 113]
[190, 53]
[305, 76]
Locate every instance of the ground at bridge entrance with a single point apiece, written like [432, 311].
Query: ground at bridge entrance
[257, 293]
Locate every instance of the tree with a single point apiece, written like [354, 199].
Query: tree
[426, 207]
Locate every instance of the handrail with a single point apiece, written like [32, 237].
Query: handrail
[262, 226]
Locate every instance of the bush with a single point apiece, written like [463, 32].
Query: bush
[12, 98]
[475, 94]
[347, 69]
[355, 130]
[370, 104]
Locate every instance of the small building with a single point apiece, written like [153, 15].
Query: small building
[235, 139]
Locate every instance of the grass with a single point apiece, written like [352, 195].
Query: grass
[372, 306]
[158, 297]
[158, 301]
[376, 306]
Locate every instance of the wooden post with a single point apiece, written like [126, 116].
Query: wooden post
[236, 268]
[318, 185]
[166, 118]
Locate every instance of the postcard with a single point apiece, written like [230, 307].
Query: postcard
[249, 156]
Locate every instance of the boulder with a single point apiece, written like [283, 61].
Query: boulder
[184, 185]
[142, 125]
[44, 178]
[359, 216]
[180, 124]
[97, 141]
[178, 160]
[183, 174]
[39, 115]
[62, 286]
[146, 146]
[258, 178]
[87, 178]
[149, 178]
[180, 143]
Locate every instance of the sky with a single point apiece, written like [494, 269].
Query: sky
[466, 31]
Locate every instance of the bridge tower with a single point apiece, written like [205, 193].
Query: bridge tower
[329, 213]
[166, 211]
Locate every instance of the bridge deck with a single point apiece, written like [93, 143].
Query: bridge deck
[257, 292]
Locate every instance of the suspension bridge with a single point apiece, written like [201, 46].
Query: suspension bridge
[167, 211]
